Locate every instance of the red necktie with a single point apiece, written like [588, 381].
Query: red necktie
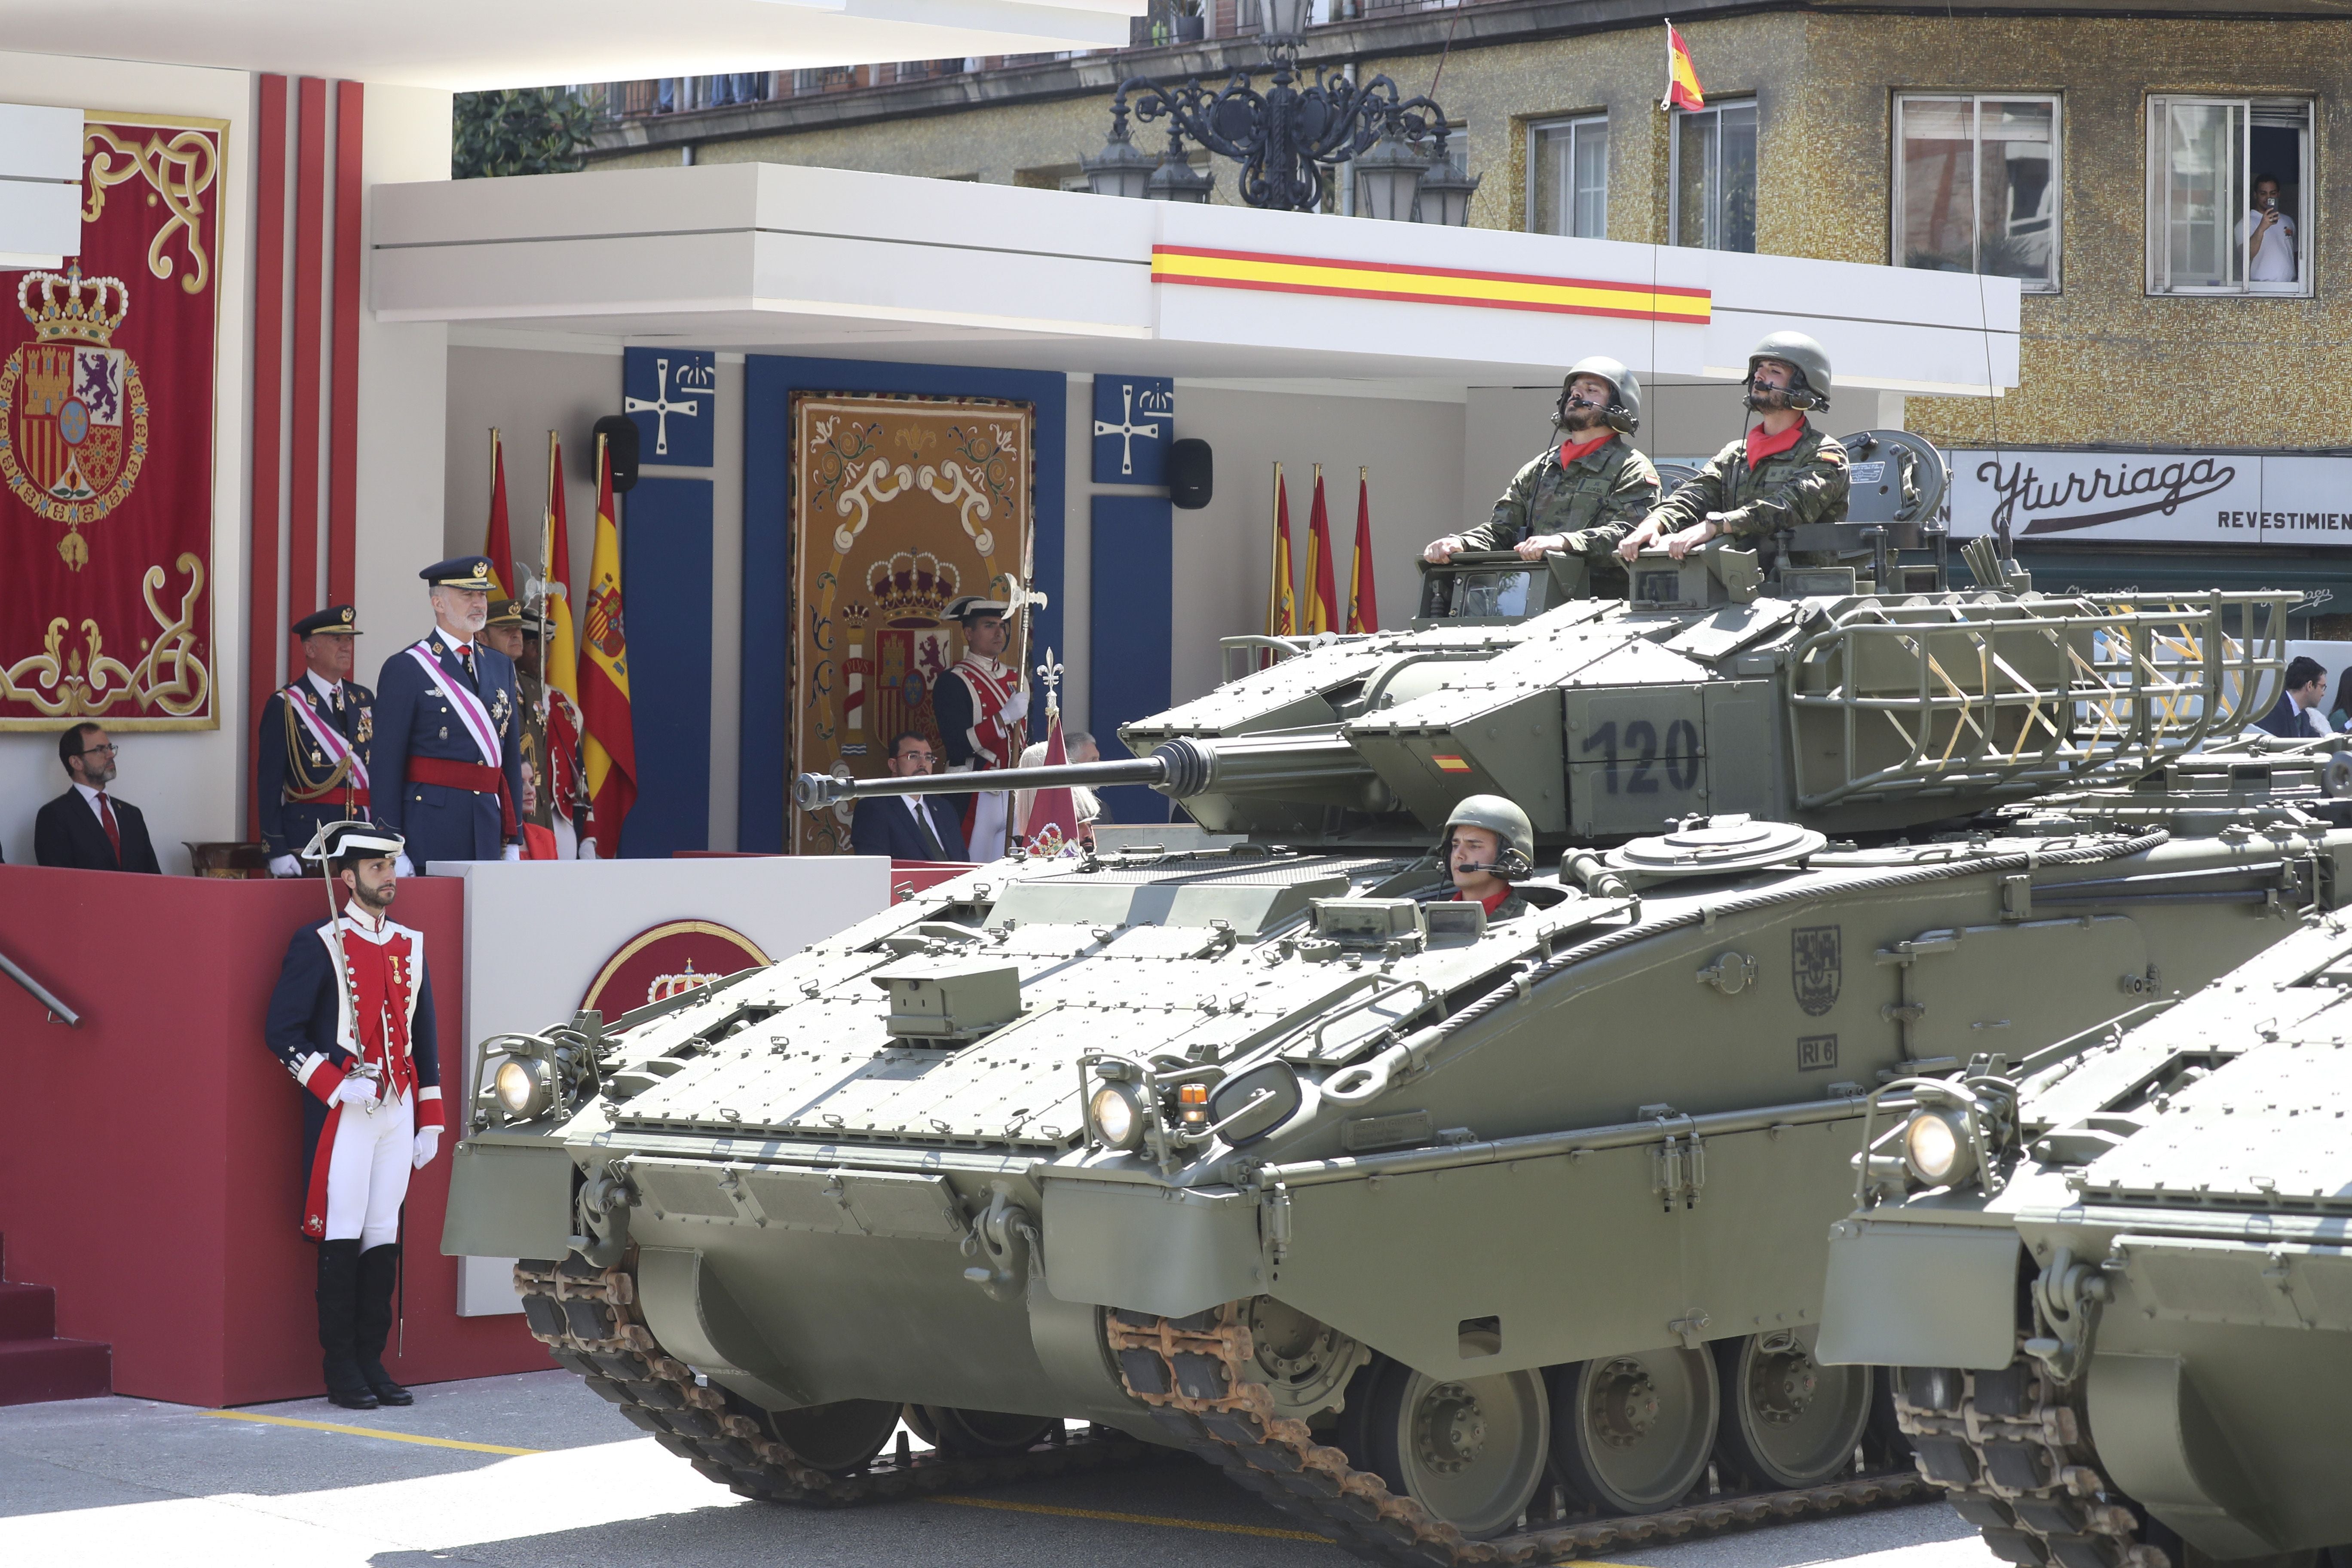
[113, 831]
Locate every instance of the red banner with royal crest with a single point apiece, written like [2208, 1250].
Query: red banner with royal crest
[106, 443]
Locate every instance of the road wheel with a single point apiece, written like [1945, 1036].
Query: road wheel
[1470, 1450]
[979, 1433]
[837, 1438]
[1632, 1431]
[1789, 1421]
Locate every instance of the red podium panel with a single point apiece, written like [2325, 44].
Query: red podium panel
[150, 1159]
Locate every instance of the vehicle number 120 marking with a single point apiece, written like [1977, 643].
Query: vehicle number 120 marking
[1642, 757]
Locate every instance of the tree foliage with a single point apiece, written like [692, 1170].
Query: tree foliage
[526, 131]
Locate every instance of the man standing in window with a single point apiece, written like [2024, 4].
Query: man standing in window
[1784, 473]
[2269, 235]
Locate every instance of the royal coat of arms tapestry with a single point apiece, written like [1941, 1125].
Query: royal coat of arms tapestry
[105, 444]
[898, 506]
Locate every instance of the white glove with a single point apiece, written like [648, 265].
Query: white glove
[428, 1144]
[513, 852]
[1016, 709]
[404, 866]
[285, 866]
[587, 850]
[355, 1090]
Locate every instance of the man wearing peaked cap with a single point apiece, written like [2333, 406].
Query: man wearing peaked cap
[448, 722]
[316, 735]
[351, 1018]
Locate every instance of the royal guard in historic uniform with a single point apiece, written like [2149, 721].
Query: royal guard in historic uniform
[979, 703]
[353, 1020]
[315, 739]
[448, 755]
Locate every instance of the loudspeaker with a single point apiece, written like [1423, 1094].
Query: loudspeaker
[1191, 474]
[620, 433]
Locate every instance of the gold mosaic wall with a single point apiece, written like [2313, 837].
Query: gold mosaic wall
[2101, 361]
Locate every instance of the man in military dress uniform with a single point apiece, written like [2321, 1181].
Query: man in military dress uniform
[448, 755]
[1581, 494]
[315, 739]
[979, 702]
[512, 631]
[1488, 844]
[351, 1019]
[1783, 473]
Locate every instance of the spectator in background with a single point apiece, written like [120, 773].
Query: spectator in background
[2339, 712]
[2269, 234]
[2296, 716]
[86, 827]
[908, 826]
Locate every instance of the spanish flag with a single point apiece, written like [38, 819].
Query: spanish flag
[1281, 592]
[1683, 91]
[560, 690]
[499, 544]
[1363, 598]
[610, 748]
[1322, 592]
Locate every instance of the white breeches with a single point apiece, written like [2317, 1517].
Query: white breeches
[988, 822]
[367, 1175]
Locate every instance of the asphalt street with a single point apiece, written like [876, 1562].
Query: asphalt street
[535, 1470]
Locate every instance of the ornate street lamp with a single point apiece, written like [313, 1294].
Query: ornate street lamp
[1289, 139]
[1445, 195]
[1120, 169]
[1389, 177]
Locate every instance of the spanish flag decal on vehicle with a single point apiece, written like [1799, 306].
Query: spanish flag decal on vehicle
[1426, 285]
[1450, 765]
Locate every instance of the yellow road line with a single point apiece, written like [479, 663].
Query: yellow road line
[1134, 1519]
[370, 1432]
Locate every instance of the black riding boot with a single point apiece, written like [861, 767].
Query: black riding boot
[339, 1272]
[379, 1266]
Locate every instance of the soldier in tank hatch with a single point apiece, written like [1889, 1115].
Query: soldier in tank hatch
[1488, 844]
[449, 724]
[316, 736]
[351, 1019]
[1582, 493]
[1782, 473]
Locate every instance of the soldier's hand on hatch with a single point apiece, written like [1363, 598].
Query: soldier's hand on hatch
[1634, 541]
[1535, 547]
[355, 1090]
[1441, 551]
[1691, 538]
[428, 1144]
[285, 866]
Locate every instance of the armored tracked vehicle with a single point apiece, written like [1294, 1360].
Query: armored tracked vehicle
[2117, 1281]
[1461, 1241]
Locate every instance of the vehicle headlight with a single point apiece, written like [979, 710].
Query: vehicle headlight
[1116, 1121]
[521, 1087]
[1936, 1146]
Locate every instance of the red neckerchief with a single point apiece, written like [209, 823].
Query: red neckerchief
[1493, 901]
[1570, 451]
[1760, 446]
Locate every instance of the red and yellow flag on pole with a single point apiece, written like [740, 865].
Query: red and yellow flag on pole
[1363, 598]
[558, 646]
[1281, 591]
[1683, 91]
[610, 747]
[498, 545]
[1322, 592]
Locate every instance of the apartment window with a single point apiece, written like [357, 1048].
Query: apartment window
[2217, 168]
[1975, 185]
[1713, 177]
[1568, 177]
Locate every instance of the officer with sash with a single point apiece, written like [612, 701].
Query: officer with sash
[448, 724]
[351, 1019]
[315, 739]
[979, 703]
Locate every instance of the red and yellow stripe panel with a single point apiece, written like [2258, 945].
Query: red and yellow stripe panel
[1426, 285]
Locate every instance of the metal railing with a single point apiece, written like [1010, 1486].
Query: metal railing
[1894, 700]
[39, 992]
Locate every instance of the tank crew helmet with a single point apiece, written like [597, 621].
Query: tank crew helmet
[1808, 388]
[1505, 821]
[1624, 413]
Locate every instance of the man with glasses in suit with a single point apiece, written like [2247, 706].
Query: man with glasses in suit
[86, 828]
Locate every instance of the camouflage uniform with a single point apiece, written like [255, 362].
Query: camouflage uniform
[1510, 908]
[1807, 483]
[1600, 496]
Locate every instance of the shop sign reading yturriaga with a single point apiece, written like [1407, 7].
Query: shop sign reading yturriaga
[2053, 496]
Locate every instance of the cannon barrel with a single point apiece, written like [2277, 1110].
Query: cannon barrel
[1270, 762]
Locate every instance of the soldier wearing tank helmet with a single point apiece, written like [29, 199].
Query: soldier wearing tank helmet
[1488, 844]
[1782, 473]
[1581, 494]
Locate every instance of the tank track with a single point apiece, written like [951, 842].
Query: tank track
[1192, 1373]
[2008, 1449]
[588, 1319]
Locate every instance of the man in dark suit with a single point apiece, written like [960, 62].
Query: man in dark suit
[912, 826]
[447, 762]
[85, 826]
[315, 739]
[2297, 715]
